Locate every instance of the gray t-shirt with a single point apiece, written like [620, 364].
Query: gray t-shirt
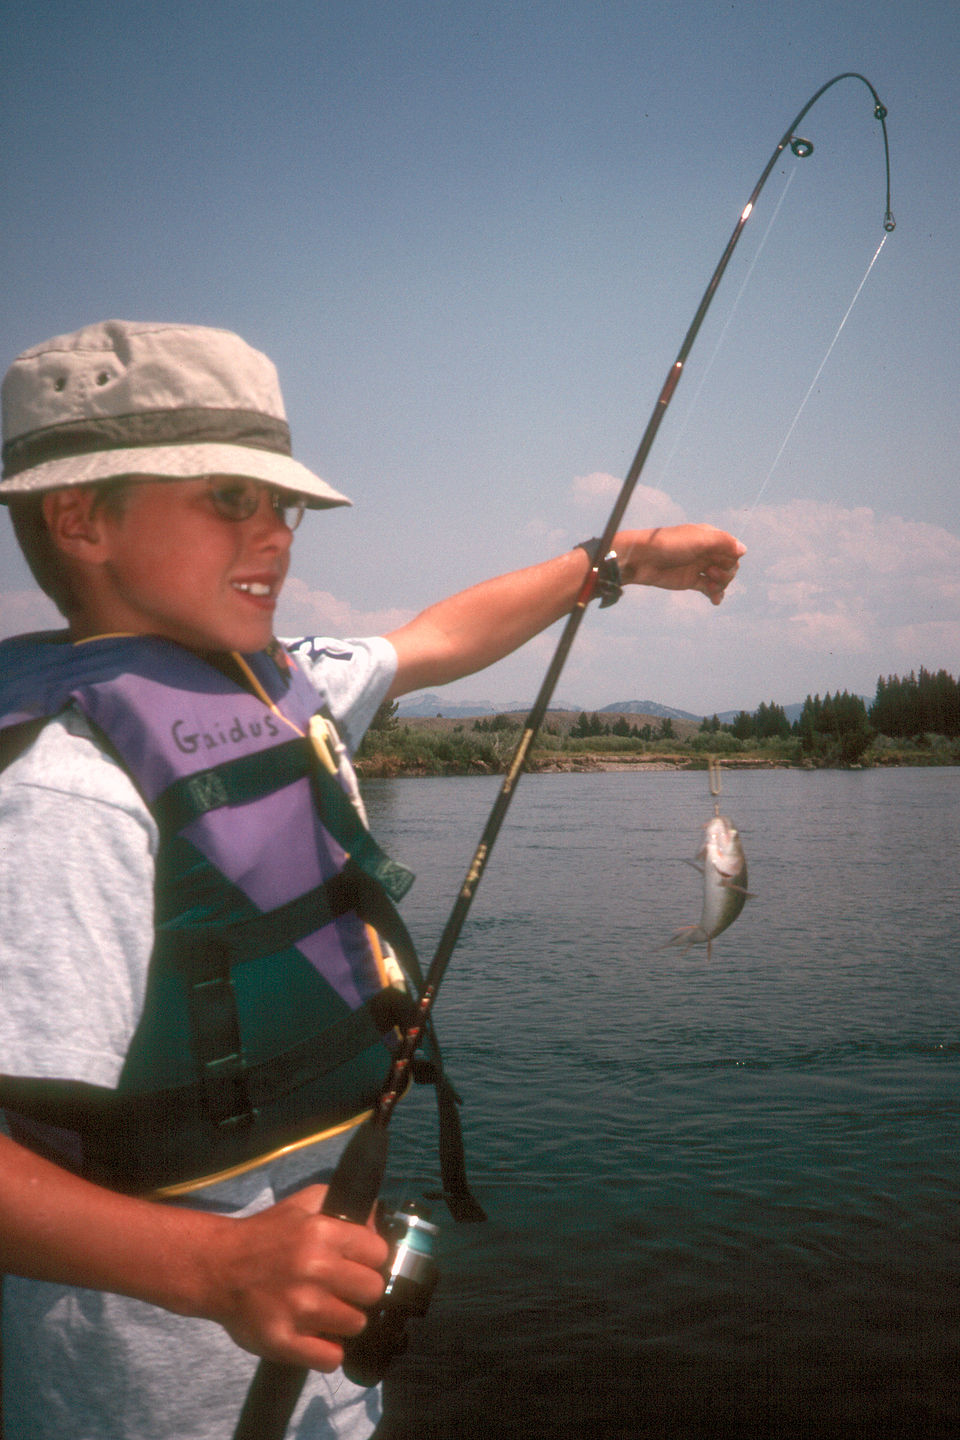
[77, 849]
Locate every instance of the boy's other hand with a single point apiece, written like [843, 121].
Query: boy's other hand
[288, 1282]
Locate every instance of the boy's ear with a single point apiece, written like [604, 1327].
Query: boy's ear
[75, 525]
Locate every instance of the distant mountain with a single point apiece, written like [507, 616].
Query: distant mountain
[427, 705]
[647, 707]
[792, 712]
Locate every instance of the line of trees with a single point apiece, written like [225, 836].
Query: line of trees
[835, 728]
[767, 722]
[839, 727]
[586, 726]
[920, 704]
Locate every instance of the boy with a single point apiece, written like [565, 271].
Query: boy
[164, 820]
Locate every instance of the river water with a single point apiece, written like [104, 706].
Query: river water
[724, 1195]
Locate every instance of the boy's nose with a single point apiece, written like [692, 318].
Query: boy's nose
[270, 523]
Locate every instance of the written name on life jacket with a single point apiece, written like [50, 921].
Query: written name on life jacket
[188, 742]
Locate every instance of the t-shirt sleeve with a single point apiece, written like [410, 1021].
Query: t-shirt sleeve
[354, 675]
[77, 851]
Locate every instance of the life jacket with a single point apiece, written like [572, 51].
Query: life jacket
[269, 1009]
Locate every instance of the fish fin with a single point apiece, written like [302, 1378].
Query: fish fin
[686, 937]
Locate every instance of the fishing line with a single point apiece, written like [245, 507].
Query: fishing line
[813, 382]
[726, 326]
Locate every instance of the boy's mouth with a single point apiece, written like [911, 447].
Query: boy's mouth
[258, 588]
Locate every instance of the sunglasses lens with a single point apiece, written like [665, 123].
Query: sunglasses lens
[289, 507]
[239, 499]
[235, 499]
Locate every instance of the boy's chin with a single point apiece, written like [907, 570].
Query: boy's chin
[243, 640]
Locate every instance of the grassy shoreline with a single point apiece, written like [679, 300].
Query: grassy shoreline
[445, 747]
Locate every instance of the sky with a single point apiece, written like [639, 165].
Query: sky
[472, 238]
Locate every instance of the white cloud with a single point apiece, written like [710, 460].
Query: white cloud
[547, 536]
[648, 506]
[303, 611]
[598, 486]
[852, 576]
[934, 638]
[840, 632]
[843, 595]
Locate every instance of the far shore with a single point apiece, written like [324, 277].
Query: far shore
[387, 767]
[571, 764]
[442, 745]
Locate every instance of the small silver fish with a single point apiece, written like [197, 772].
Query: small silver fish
[725, 893]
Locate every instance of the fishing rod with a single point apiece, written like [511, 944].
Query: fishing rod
[359, 1174]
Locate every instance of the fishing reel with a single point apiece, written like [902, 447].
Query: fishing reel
[411, 1273]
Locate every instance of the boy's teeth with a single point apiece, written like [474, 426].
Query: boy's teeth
[253, 587]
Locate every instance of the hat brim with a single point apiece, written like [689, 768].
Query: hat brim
[176, 462]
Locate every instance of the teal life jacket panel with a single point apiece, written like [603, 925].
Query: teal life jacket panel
[268, 1013]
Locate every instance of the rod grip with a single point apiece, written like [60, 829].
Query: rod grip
[351, 1195]
[358, 1177]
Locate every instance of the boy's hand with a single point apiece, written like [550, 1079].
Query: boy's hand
[680, 557]
[288, 1282]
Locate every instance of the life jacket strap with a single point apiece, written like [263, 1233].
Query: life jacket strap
[115, 1127]
[218, 1047]
[208, 947]
[427, 1069]
[79, 1104]
[207, 955]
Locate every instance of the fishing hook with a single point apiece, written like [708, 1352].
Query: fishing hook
[359, 1174]
[716, 782]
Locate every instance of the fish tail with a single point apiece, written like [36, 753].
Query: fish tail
[688, 936]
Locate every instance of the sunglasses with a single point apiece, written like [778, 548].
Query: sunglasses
[235, 498]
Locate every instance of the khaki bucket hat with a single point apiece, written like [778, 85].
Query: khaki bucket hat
[126, 398]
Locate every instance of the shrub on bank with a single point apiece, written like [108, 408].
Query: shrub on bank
[406, 751]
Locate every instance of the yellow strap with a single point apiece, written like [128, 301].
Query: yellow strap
[319, 738]
[184, 1187]
[261, 694]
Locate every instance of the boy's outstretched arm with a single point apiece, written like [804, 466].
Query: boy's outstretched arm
[476, 627]
[283, 1283]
